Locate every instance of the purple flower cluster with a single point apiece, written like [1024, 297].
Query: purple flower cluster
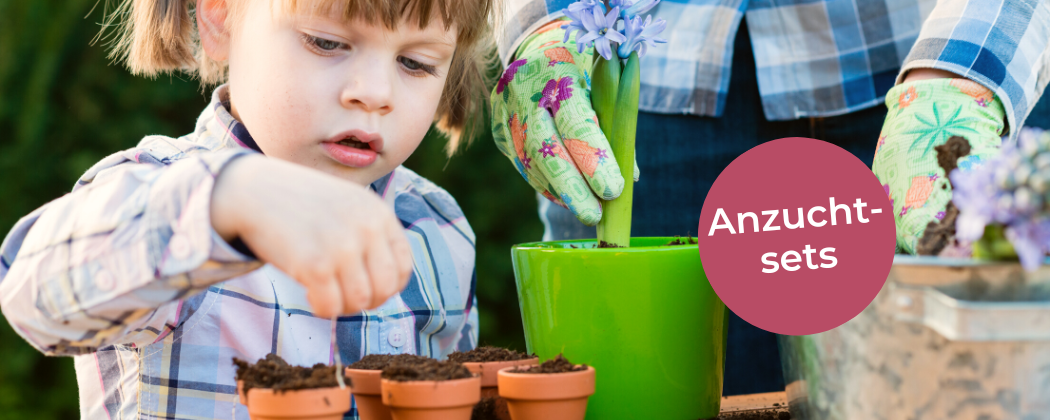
[597, 25]
[1011, 189]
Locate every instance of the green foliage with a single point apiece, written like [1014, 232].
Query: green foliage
[64, 106]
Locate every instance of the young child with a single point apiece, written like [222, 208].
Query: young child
[150, 273]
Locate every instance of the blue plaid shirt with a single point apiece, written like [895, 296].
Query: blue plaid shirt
[818, 58]
[127, 275]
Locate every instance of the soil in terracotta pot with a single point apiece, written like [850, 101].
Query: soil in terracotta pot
[426, 370]
[485, 410]
[381, 361]
[274, 373]
[775, 414]
[556, 365]
[939, 235]
[488, 354]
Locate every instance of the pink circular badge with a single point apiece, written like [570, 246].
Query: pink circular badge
[797, 236]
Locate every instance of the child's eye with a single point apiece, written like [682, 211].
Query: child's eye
[323, 44]
[415, 66]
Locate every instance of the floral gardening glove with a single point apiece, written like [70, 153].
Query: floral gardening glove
[542, 120]
[924, 114]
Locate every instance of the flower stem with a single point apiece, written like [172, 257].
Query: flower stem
[615, 225]
[604, 84]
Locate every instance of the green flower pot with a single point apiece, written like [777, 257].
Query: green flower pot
[645, 317]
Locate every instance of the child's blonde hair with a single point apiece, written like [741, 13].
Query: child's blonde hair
[160, 36]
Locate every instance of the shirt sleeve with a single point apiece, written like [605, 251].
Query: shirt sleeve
[1002, 45]
[109, 262]
[520, 18]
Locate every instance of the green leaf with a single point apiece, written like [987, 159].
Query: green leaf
[537, 96]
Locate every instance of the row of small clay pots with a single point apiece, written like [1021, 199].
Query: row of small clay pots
[524, 396]
[560, 396]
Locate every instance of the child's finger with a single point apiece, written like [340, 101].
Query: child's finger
[584, 140]
[382, 271]
[355, 283]
[325, 297]
[402, 253]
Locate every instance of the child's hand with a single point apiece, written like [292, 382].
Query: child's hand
[544, 123]
[923, 114]
[336, 238]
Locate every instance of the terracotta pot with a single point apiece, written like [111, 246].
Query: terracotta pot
[552, 396]
[368, 394]
[314, 404]
[489, 385]
[432, 400]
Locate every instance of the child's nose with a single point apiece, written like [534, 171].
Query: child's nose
[369, 89]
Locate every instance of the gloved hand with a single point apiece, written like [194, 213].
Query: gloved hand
[923, 114]
[542, 120]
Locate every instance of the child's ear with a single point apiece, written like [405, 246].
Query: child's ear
[211, 25]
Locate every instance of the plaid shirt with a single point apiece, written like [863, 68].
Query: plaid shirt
[818, 58]
[127, 275]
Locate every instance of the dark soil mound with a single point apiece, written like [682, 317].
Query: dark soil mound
[488, 354]
[756, 415]
[678, 240]
[425, 370]
[603, 244]
[273, 372]
[939, 235]
[381, 361]
[556, 365]
[485, 410]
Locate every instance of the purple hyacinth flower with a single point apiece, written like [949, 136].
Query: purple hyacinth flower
[1030, 241]
[1007, 189]
[975, 194]
[578, 11]
[640, 35]
[601, 31]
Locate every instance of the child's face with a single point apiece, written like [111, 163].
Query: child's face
[303, 84]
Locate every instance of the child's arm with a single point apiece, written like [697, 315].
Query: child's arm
[110, 262]
[107, 263]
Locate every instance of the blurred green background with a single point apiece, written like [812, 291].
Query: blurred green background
[64, 106]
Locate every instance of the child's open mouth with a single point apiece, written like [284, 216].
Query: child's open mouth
[354, 148]
[355, 143]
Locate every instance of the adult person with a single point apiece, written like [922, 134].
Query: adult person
[821, 69]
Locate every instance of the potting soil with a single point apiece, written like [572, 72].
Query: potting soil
[381, 361]
[488, 354]
[775, 414]
[556, 365]
[485, 410]
[425, 370]
[273, 372]
[689, 240]
[939, 235]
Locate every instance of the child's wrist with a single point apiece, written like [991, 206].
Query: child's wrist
[223, 196]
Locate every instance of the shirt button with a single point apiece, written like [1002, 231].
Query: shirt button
[179, 247]
[104, 281]
[396, 337]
